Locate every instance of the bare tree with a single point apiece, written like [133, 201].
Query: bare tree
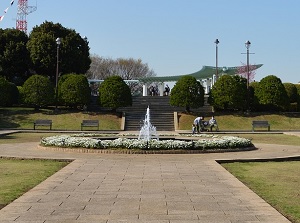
[130, 69]
[100, 68]
[127, 69]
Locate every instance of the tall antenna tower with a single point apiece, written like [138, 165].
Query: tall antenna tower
[23, 11]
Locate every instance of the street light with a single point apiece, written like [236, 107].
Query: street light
[58, 42]
[247, 45]
[216, 42]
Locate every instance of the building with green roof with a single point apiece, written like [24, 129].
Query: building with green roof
[206, 76]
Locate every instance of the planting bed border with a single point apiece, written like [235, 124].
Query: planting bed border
[134, 151]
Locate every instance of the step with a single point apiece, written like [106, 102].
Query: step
[161, 112]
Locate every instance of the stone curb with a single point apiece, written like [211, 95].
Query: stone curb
[127, 151]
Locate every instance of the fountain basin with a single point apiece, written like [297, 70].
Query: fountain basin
[167, 145]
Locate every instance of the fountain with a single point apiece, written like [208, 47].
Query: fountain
[103, 144]
[148, 131]
[144, 142]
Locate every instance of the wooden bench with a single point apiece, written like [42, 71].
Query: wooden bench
[260, 124]
[90, 123]
[42, 122]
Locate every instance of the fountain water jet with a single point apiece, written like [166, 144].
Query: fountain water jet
[148, 131]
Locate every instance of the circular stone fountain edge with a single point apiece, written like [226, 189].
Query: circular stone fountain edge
[133, 151]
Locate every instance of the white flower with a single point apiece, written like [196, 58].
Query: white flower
[90, 141]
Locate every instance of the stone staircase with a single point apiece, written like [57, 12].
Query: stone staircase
[161, 113]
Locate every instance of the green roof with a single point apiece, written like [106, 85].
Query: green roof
[205, 72]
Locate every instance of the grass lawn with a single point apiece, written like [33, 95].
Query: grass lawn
[23, 137]
[276, 182]
[241, 122]
[278, 139]
[18, 176]
[23, 118]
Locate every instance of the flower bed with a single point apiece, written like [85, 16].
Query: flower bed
[92, 142]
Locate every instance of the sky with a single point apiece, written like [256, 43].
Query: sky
[176, 37]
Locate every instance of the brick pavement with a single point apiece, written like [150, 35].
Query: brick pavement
[141, 188]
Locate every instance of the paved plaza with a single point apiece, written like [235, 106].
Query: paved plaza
[166, 188]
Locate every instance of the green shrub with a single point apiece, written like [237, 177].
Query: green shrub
[13, 93]
[74, 90]
[21, 97]
[272, 95]
[114, 93]
[4, 92]
[254, 102]
[293, 107]
[291, 91]
[38, 91]
[230, 93]
[188, 93]
[298, 96]
[9, 93]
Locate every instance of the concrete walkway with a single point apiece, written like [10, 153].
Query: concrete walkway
[113, 188]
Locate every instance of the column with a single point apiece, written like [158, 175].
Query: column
[145, 89]
[161, 88]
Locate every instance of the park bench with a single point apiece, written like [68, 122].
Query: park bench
[90, 123]
[42, 122]
[260, 124]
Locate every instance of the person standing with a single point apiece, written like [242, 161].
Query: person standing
[167, 90]
[197, 123]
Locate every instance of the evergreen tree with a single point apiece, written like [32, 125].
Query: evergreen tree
[188, 93]
[298, 96]
[254, 102]
[38, 91]
[4, 92]
[271, 94]
[73, 50]
[74, 90]
[291, 91]
[14, 56]
[114, 93]
[230, 93]
[9, 94]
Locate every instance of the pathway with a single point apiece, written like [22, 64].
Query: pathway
[141, 188]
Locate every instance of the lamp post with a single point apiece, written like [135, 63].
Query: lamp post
[217, 42]
[247, 45]
[58, 42]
